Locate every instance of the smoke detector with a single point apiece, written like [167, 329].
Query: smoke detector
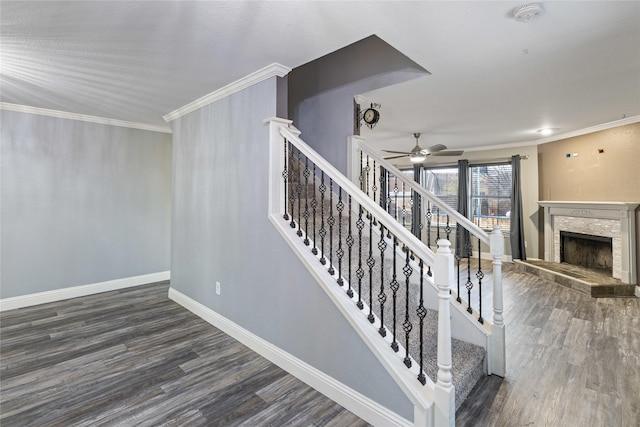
[527, 12]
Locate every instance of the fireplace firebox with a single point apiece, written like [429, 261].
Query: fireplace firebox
[587, 250]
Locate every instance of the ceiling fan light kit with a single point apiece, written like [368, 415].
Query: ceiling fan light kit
[419, 154]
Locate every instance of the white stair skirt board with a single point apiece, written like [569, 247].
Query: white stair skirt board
[81, 291]
[367, 409]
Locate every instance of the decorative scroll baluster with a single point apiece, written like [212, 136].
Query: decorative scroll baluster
[340, 251]
[360, 271]
[469, 284]
[371, 263]
[314, 205]
[480, 276]
[306, 201]
[374, 190]
[285, 177]
[299, 194]
[429, 216]
[361, 177]
[382, 297]
[323, 231]
[437, 224]
[422, 312]
[350, 242]
[404, 208]
[396, 190]
[331, 221]
[292, 197]
[447, 228]
[406, 325]
[395, 286]
[458, 258]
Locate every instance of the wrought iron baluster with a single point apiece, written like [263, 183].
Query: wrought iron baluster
[323, 231]
[331, 221]
[306, 174]
[458, 258]
[429, 216]
[437, 224]
[396, 190]
[371, 263]
[340, 251]
[314, 205]
[480, 276]
[299, 194]
[395, 286]
[374, 189]
[422, 312]
[292, 197]
[469, 284]
[382, 297]
[360, 270]
[285, 177]
[447, 228]
[404, 207]
[350, 243]
[361, 177]
[406, 325]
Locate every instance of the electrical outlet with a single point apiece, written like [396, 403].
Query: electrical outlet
[525, 244]
[218, 288]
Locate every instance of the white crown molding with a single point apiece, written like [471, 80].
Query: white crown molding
[82, 117]
[243, 83]
[558, 137]
[361, 405]
[81, 291]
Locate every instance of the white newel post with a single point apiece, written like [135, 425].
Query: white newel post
[353, 159]
[276, 165]
[497, 357]
[444, 412]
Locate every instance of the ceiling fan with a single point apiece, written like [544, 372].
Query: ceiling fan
[419, 154]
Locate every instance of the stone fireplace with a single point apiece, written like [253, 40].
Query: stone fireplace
[599, 222]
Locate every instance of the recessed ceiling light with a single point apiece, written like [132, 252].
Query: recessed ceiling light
[545, 131]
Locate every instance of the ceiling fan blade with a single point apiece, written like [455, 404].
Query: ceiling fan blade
[397, 152]
[395, 157]
[448, 153]
[436, 148]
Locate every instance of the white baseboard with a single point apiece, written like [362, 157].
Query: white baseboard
[361, 405]
[81, 291]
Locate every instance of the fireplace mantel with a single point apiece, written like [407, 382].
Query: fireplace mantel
[609, 219]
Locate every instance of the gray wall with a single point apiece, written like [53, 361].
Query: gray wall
[221, 232]
[321, 92]
[81, 203]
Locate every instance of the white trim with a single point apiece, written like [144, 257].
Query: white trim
[82, 117]
[269, 71]
[81, 291]
[359, 404]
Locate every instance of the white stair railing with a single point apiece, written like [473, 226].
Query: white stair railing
[367, 168]
[293, 165]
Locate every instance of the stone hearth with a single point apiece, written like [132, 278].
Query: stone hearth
[615, 220]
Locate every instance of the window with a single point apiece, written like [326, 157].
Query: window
[490, 194]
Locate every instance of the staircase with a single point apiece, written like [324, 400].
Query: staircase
[375, 269]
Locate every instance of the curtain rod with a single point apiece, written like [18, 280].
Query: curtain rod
[471, 162]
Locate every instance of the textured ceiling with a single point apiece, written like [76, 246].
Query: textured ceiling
[494, 80]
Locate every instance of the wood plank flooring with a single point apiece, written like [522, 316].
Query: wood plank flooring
[134, 357]
[572, 360]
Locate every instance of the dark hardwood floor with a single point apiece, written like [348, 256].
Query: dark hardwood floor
[136, 358]
[133, 357]
[572, 360]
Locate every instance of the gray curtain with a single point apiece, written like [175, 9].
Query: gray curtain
[517, 228]
[463, 238]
